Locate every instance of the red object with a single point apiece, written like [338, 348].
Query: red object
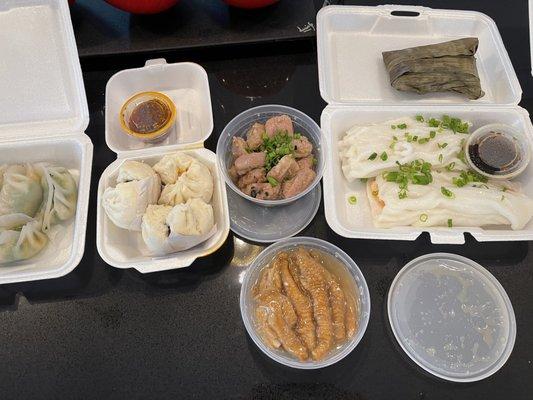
[143, 6]
[250, 4]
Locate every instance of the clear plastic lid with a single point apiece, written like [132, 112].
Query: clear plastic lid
[452, 317]
[41, 81]
[271, 224]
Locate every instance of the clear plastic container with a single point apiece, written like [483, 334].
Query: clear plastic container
[239, 126]
[452, 317]
[247, 302]
[513, 136]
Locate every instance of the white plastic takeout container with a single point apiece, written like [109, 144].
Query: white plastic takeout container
[43, 119]
[188, 87]
[247, 303]
[355, 83]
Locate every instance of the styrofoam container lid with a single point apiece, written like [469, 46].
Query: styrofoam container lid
[350, 40]
[41, 81]
[452, 317]
[185, 83]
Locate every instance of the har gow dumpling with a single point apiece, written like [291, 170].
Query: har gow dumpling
[20, 191]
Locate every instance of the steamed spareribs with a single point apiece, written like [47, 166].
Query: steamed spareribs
[312, 280]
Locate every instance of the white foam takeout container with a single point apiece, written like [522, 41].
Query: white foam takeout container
[188, 87]
[43, 118]
[355, 83]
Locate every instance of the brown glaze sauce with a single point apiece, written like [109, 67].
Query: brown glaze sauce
[149, 116]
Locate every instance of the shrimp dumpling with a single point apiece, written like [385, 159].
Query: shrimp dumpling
[23, 244]
[60, 195]
[21, 190]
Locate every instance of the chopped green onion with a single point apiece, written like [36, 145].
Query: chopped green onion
[395, 138]
[373, 156]
[402, 194]
[419, 118]
[423, 140]
[443, 145]
[434, 123]
[352, 200]
[440, 158]
[466, 177]
[393, 126]
[297, 135]
[447, 192]
[415, 138]
[432, 134]
[450, 223]
[423, 217]
[450, 166]
[402, 126]
[274, 182]
[505, 189]
[384, 156]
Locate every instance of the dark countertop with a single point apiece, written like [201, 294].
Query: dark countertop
[101, 332]
[102, 29]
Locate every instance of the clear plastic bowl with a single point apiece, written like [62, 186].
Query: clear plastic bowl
[247, 302]
[239, 126]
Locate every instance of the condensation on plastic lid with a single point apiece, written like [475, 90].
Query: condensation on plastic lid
[452, 317]
[269, 224]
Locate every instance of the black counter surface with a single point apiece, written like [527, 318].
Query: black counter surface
[101, 332]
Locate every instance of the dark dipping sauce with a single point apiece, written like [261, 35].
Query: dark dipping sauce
[149, 116]
[495, 153]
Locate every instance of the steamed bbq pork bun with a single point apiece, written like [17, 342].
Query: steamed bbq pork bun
[186, 177]
[167, 229]
[137, 186]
